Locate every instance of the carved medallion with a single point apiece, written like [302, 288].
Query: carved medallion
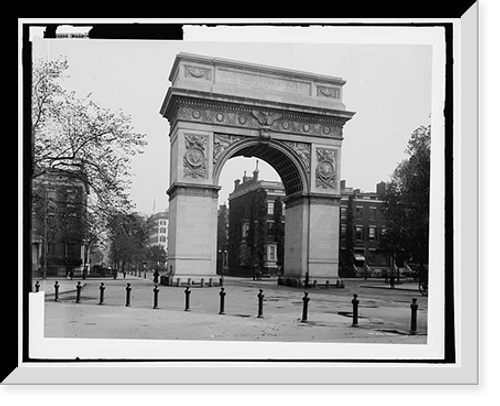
[195, 163]
[326, 173]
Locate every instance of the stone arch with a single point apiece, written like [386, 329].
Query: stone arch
[289, 166]
[219, 109]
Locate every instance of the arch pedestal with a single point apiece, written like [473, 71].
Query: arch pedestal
[220, 109]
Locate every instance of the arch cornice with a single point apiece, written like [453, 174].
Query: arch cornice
[228, 110]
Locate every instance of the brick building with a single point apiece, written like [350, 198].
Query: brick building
[364, 217]
[245, 223]
[59, 200]
[362, 211]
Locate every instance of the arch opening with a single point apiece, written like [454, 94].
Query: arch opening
[289, 168]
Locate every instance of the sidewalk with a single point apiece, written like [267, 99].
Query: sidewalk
[411, 286]
[66, 285]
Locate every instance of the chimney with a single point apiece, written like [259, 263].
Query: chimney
[381, 189]
[256, 172]
[342, 185]
[236, 183]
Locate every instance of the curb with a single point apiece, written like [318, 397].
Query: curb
[389, 288]
[62, 292]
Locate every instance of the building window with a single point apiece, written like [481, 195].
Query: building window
[343, 212]
[271, 252]
[343, 232]
[371, 233]
[372, 213]
[163, 230]
[270, 207]
[359, 213]
[163, 238]
[51, 248]
[244, 230]
[270, 228]
[163, 222]
[359, 233]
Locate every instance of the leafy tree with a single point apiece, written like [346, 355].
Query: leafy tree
[156, 255]
[279, 232]
[406, 205]
[260, 216]
[257, 231]
[128, 234]
[348, 253]
[89, 142]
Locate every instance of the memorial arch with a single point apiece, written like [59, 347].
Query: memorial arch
[219, 109]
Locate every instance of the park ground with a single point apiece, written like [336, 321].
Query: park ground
[384, 313]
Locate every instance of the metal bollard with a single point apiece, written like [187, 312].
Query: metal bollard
[315, 284]
[260, 296]
[211, 283]
[78, 291]
[187, 293]
[222, 295]
[56, 292]
[155, 301]
[189, 281]
[179, 282]
[101, 300]
[327, 284]
[128, 289]
[37, 286]
[305, 302]
[414, 308]
[202, 282]
[355, 303]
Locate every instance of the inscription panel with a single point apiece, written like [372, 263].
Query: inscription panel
[260, 81]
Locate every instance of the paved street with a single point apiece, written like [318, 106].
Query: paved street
[384, 314]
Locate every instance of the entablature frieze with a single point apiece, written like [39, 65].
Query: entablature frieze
[249, 114]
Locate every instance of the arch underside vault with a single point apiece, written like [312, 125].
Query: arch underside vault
[223, 109]
[288, 170]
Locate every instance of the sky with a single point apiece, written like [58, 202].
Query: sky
[388, 86]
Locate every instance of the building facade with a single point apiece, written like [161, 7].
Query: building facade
[58, 243]
[253, 235]
[361, 212]
[158, 230]
[362, 226]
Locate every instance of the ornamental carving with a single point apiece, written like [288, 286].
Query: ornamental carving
[285, 122]
[222, 142]
[303, 151]
[197, 73]
[332, 92]
[326, 172]
[195, 163]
